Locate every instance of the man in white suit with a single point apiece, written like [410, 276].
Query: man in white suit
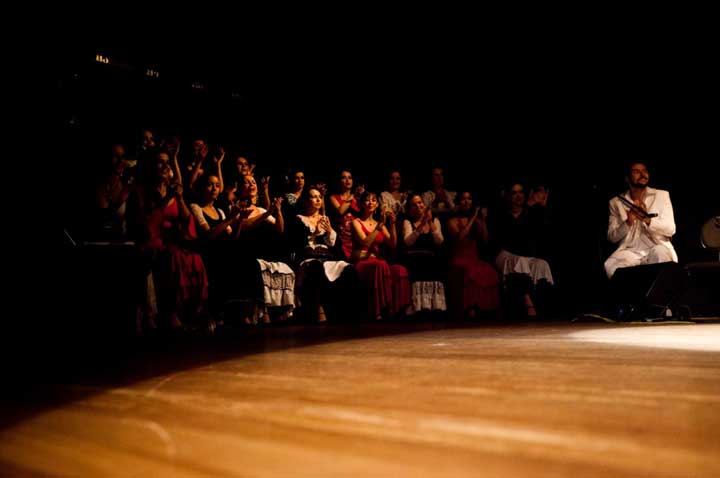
[641, 239]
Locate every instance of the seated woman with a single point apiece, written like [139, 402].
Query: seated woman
[474, 284]
[344, 208]
[312, 241]
[163, 226]
[111, 195]
[439, 199]
[259, 279]
[215, 233]
[394, 198]
[423, 237]
[295, 189]
[387, 285]
[518, 231]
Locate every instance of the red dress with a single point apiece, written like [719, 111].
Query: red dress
[181, 283]
[388, 285]
[344, 224]
[472, 281]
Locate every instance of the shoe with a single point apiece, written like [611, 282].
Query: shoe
[321, 317]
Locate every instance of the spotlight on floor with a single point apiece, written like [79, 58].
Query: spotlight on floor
[704, 337]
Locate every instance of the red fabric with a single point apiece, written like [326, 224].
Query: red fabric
[401, 290]
[388, 286]
[181, 280]
[376, 275]
[373, 248]
[345, 224]
[472, 281]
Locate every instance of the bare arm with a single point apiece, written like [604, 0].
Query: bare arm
[176, 165]
[279, 220]
[390, 236]
[219, 229]
[265, 193]
[365, 239]
[341, 208]
[465, 231]
[197, 172]
[481, 228]
[219, 161]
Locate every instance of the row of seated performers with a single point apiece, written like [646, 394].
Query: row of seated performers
[247, 255]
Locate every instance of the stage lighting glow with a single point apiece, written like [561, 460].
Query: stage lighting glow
[102, 59]
[705, 337]
[152, 73]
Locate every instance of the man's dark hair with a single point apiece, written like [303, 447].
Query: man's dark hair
[631, 163]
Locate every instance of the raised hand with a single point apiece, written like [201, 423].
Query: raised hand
[220, 156]
[427, 217]
[236, 210]
[173, 147]
[177, 189]
[359, 191]
[275, 205]
[322, 187]
[538, 196]
[324, 224]
[265, 183]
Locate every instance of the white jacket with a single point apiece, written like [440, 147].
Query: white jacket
[641, 235]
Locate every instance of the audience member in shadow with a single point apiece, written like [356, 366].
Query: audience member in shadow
[516, 231]
[473, 283]
[163, 227]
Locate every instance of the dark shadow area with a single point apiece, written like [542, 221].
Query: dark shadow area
[94, 352]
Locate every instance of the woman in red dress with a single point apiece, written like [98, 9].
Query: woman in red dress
[474, 284]
[163, 227]
[387, 285]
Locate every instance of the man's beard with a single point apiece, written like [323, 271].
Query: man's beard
[639, 185]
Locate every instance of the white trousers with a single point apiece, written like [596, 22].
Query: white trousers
[636, 257]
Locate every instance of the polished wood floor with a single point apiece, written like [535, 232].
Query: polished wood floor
[555, 400]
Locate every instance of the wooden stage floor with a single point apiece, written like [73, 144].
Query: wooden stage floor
[531, 400]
